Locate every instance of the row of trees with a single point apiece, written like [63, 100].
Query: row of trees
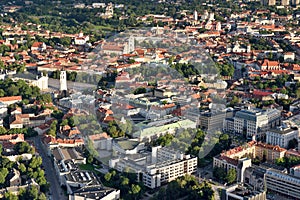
[78, 77]
[288, 162]
[53, 128]
[28, 132]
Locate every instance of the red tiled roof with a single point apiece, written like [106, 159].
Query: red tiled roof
[11, 98]
[99, 136]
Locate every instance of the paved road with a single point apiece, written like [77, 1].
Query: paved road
[54, 84]
[56, 190]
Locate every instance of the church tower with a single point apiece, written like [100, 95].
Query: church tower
[131, 46]
[63, 81]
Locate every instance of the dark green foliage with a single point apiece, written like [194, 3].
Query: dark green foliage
[184, 69]
[23, 147]
[288, 162]
[186, 187]
[115, 129]
[126, 182]
[139, 90]
[225, 69]
[164, 140]
[20, 87]
[293, 144]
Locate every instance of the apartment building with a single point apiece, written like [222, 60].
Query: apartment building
[239, 158]
[164, 172]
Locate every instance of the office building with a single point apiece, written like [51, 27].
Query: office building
[255, 122]
[284, 184]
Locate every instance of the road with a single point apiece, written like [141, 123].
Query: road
[56, 191]
[54, 84]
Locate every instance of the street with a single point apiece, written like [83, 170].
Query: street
[56, 191]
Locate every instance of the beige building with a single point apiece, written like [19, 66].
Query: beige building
[239, 158]
[285, 2]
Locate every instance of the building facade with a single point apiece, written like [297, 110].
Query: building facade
[283, 184]
[256, 121]
[281, 136]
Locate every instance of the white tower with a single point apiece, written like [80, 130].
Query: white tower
[195, 15]
[63, 81]
[131, 44]
[248, 48]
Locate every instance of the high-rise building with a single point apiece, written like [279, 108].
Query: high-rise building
[63, 81]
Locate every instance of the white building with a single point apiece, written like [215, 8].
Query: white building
[282, 135]
[295, 171]
[81, 39]
[164, 172]
[40, 81]
[160, 166]
[289, 56]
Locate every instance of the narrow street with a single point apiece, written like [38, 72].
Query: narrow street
[56, 191]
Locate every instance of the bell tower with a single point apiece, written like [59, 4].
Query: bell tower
[63, 81]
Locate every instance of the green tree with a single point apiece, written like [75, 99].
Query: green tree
[107, 176]
[23, 147]
[42, 196]
[219, 173]
[35, 162]
[33, 192]
[231, 176]
[293, 144]
[10, 196]
[3, 174]
[64, 122]
[22, 168]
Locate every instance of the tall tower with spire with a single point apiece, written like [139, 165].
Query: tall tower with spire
[63, 81]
